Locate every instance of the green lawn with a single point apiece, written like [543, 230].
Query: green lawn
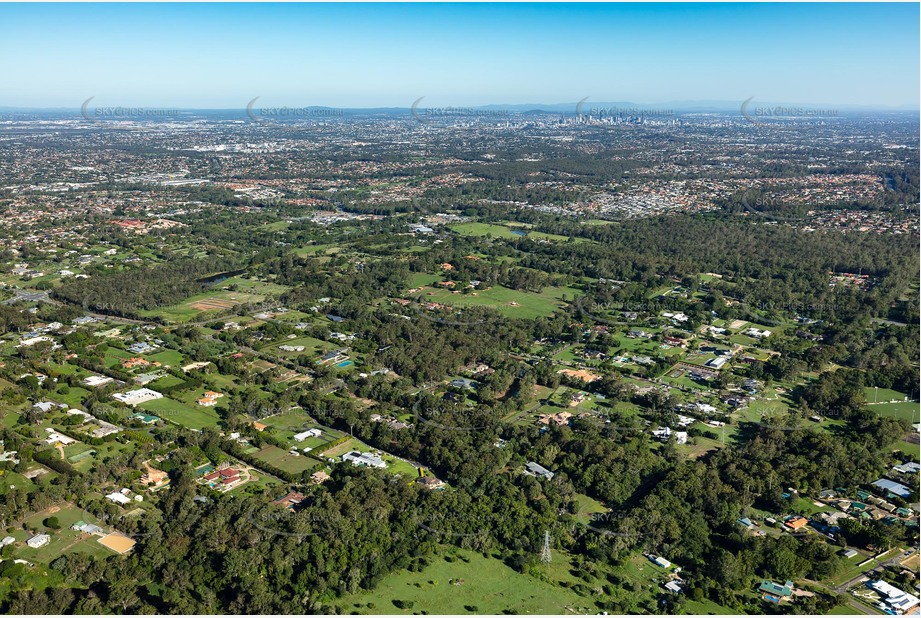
[172, 358]
[907, 410]
[707, 607]
[74, 397]
[64, 540]
[529, 304]
[910, 448]
[882, 394]
[293, 420]
[502, 231]
[284, 460]
[191, 416]
[469, 584]
[312, 347]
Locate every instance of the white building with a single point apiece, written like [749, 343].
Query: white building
[97, 380]
[133, 398]
[119, 498]
[893, 599]
[364, 459]
[30, 341]
[39, 540]
[310, 433]
[55, 438]
[535, 469]
[664, 433]
[662, 562]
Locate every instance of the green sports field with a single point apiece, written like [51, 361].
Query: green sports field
[906, 410]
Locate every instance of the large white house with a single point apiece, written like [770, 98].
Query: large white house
[133, 398]
[894, 600]
[39, 540]
[364, 459]
[310, 433]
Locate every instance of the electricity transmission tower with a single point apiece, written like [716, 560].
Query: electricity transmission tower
[545, 556]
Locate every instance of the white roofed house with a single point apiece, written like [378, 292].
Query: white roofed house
[533, 468]
[118, 498]
[133, 398]
[95, 381]
[893, 600]
[665, 433]
[39, 540]
[310, 433]
[364, 459]
[55, 437]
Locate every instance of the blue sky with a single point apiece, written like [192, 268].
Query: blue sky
[364, 55]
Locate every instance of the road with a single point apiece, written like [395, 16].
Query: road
[897, 557]
[27, 296]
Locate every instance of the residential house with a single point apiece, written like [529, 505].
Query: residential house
[39, 540]
[310, 433]
[364, 459]
[776, 592]
[532, 468]
[893, 600]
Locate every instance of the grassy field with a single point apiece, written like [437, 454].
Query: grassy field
[312, 347]
[882, 394]
[284, 460]
[907, 410]
[502, 231]
[293, 420]
[63, 540]
[191, 416]
[316, 249]
[529, 304]
[468, 584]
[217, 298]
[171, 358]
[910, 448]
[707, 607]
